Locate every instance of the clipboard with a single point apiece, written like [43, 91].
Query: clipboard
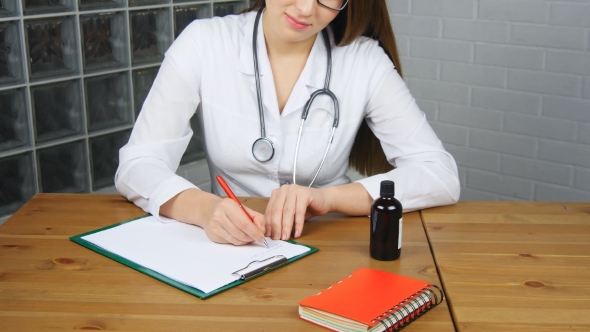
[251, 271]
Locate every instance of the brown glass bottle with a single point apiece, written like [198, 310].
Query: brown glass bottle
[386, 224]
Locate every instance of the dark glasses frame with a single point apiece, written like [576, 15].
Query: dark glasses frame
[332, 8]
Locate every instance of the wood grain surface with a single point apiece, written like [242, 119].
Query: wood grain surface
[514, 266]
[48, 283]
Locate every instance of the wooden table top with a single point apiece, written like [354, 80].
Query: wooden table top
[48, 282]
[514, 266]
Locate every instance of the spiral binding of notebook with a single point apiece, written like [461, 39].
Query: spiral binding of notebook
[405, 312]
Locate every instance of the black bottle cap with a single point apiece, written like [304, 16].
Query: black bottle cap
[387, 189]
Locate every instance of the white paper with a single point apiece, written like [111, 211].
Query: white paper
[184, 253]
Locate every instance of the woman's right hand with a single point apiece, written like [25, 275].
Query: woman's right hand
[227, 223]
[222, 219]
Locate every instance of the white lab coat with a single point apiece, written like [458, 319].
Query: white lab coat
[209, 69]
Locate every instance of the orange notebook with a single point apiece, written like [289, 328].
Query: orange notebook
[370, 300]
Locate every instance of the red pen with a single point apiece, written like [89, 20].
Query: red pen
[233, 197]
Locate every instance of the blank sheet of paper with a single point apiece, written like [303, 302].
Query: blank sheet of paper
[184, 253]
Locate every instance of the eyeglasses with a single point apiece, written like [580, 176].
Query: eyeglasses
[334, 4]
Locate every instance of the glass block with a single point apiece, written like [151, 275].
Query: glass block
[104, 41]
[100, 4]
[51, 47]
[14, 127]
[194, 150]
[179, 1]
[142, 83]
[62, 168]
[184, 15]
[135, 3]
[17, 182]
[57, 110]
[31, 7]
[150, 35]
[8, 8]
[108, 101]
[11, 66]
[229, 8]
[104, 158]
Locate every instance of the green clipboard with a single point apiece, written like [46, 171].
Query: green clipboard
[191, 290]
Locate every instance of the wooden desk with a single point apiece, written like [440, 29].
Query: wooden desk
[514, 266]
[50, 283]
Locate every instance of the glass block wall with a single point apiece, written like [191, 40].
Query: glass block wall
[73, 77]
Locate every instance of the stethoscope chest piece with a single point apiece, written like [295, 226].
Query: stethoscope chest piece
[263, 149]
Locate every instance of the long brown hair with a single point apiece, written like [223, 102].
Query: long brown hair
[367, 18]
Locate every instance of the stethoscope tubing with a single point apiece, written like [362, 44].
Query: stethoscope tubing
[257, 73]
[263, 141]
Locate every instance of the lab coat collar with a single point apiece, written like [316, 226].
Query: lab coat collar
[312, 77]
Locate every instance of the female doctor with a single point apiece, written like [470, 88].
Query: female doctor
[251, 78]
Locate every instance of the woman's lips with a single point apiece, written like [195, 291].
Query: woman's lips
[296, 24]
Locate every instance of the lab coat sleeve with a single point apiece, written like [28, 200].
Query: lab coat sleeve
[425, 174]
[148, 162]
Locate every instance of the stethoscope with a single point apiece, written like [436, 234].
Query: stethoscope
[263, 148]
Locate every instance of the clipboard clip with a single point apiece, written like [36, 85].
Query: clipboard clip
[257, 268]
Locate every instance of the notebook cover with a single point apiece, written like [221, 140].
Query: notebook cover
[364, 295]
[191, 290]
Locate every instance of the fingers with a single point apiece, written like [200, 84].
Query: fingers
[288, 216]
[267, 219]
[300, 216]
[221, 235]
[229, 224]
[274, 212]
[293, 215]
[258, 218]
[242, 224]
[286, 211]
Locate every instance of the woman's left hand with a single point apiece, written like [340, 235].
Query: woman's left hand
[288, 208]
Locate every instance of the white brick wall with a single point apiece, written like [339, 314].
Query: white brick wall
[506, 86]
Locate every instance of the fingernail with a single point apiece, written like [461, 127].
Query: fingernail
[284, 237]
[297, 233]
